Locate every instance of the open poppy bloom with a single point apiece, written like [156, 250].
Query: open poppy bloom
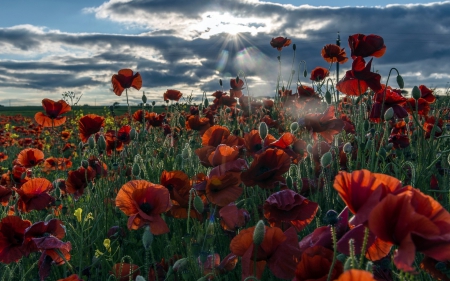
[53, 164]
[333, 53]
[324, 124]
[89, 125]
[172, 95]
[399, 140]
[280, 42]
[315, 264]
[430, 123]
[236, 88]
[47, 235]
[427, 94]
[366, 45]
[357, 80]
[267, 169]
[223, 189]
[124, 80]
[319, 74]
[356, 274]
[279, 251]
[34, 195]
[5, 194]
[392, 99]
[194, 122]
[415, 222]
[3, 157]
[78, 180]
[215, 135]
[291, 207]
[123, 135]
[53, 111]
[12, 229]
[122, 271]
[144, 202]
[73, 277]
[30, 157]
[232, 218]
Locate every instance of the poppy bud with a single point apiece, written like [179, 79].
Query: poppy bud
[80, 145]
[294, 127]
[136, 170]
[389, 146]
[185, 153]
[326, 158]
[48, 217]
[309, 148]
[369, 266]
[331, 217]
[144, 98]
[389, 114]
[366, 125]
[328, 97]
[237, 79]
[133, 134]
[91, 142]
[84, 164]
[289, 182]
[258, 233]
[400, 81]
[147, 238]
[57, 192]
[263, 130]
[416, 93]
[101, 143]
[220, 82]
[349, 263]
[206, 103]
[347, 148]
[181, 120]
[382, 153]
[294, 47]
[179, 264]
[198, 204]
[139, 278]
[228, 110]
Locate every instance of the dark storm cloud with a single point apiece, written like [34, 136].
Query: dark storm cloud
[169, 54]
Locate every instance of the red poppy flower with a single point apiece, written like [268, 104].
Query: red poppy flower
[54, 110]
[399, 140]
[122, 271]
[124, 80]
[12, 229]
[34, 195]
[324, 124]
[194, 122]
[315, 264]
[139, 116]
[366, 46]
[89, 125]
[78, 180]
[45, 236]
[123, 135]
[72, 277]
[100, 168]
[291, 207]
[223, 154]
[30, 157]
[232, 218]
[53, 164]
[172, 95]
[357, 80]
[112, 142]
[333, 53]
[429, 124]
[280, 42]
[267, 169]
[5, 194]
[423, 107]
[144, 202]
[223, 189]
[427, 94]
[279, 251]
[361, 191]
[392, 99]
[155, 119]
[355, 275]
[3, 157]
[319, 74]
[431, 266]
[415, 222]
[215, 136]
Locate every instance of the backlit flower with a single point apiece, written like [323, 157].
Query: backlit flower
[5, 194]
[324, 124]
[124, 80]
[78, 180]
[356, 275]
[30, 157]
[280, 42]
[357, 80]
[319, 74]
[223, 189]
[89, 125]
[366, 45]
[53, 111]
[315, 264]
[333, 53]
[34, 195]
[172, 95]
[12, 229]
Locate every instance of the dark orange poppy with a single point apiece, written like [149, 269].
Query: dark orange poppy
[356, 275]
[123, 135]
[431, 266]
[399, 141]
[421, 224]
[333, 53]
[315, 264]
[30, 157]
[124, 80]
[215, 136]
[12, 230]
[172, 95]
[5, 194]
[223, 154]
[392, 99]
[357, 80]
[423, 107]
[65, 135]
[232, 218]
[362, 190]
[122, 271]
[223, 189]
[267, 169]
[155, 119]
[319, 74]
[45, 236]
[366, 45]
[324, 124]
[144, 202]
[3, 157]
[194, 122]
[291, 207]
[34, 195]
[427, 94]
[139, 116]
[53, 164]
[100, 168]
[89, 125]
[236, 88]
[73, 277]
[430, 123]
[78, 180]
[54, 110]
[280, 42]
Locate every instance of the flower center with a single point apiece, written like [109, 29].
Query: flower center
[146, 207]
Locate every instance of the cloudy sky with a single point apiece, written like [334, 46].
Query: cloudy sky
[48, 47]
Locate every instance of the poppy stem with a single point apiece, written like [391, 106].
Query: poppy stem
[333, 235]
[364, 246]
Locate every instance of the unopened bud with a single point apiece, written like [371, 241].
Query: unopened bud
[136, 170]
[206, 103]
[144, 98]
[263, 130]
[182, 120]
[91, 142]
[326, 158]
[228, 110]
[366, 125]
[389, 114]
[349, 263]
[294, 47]
[328, 97]
[389, 146]
[258, 233]
[305, 73]
[400, 81]
[220, 82]
[185, 153]
[237, 79]
[133, 134]
[382, 153]
[101, 143]
[139, 278]
[294, 127]
[147, 238]
[289, 182]
[347, 148]
[84, 164]
[416, 93]
[180, 264]
[198, 204]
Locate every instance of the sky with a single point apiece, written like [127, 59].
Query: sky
[49, 47]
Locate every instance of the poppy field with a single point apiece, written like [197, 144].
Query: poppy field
[326, 180]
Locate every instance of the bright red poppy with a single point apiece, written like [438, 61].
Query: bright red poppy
[356, 275]
[34, 195]
[124, 80]
[172, 95]
[416, 223]
[319, 74]
[267, 169]
[325, 124]
[122, 271]
[315, 264]
[366, 45]
[333, 53]
[78, 180]
[88, 125]
[155, 119]
[423, 107]
[427, 94]
[53, 111]
[30, 157]
[280, 42]
[12, 229]
[289, 206]
[357, 80]
[144, 202]
[72, 277]
[123, 135]
[430, 123]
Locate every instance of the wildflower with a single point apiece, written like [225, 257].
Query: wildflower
[30, 157]
[124, 80]
[12, 229]
[392, 98]
[324, 124]
[172, 95]
[89, 125]
[366, 45]
[232, 218]
[357, 80]
[107, 244]
[53, 111]
[280, 42]
[5, 194]
[73, 277]
[356, 274]
[319, 74]
[333, 53]
[34, 195]
[77, 214]
[315, 264]
[78, 180]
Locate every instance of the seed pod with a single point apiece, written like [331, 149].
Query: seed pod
[347, 148]
[294, 127]
[326, 158]
[389, 114]
[84, 164]
[328, 97]
[144, 98]
[101, 143]
[258, 233]
[263, 130]
[136, 170]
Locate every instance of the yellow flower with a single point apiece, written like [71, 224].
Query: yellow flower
[78, 214]
[89, 217]
[98, 253]
[107, 244]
